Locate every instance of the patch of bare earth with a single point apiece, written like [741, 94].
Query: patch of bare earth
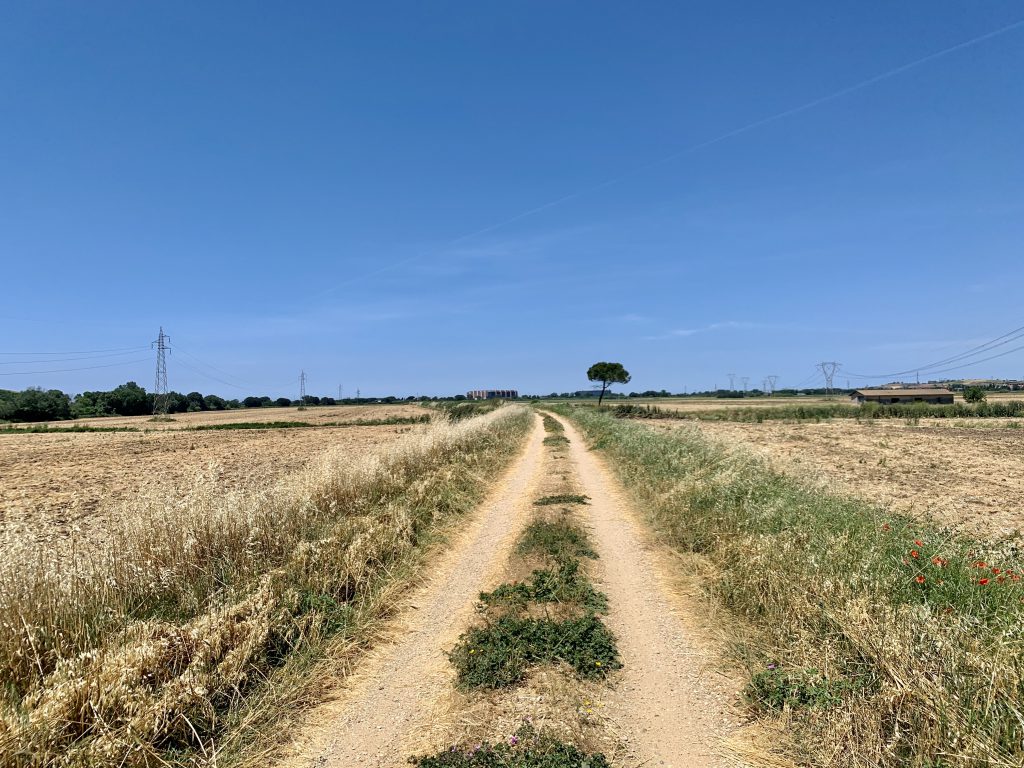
[964, 476]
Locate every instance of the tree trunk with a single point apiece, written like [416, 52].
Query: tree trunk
[599, 399]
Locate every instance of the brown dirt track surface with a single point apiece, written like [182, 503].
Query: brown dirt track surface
[50, 483]
[967, 477]
[665, 708]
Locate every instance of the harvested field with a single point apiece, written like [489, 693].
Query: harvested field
[957, 473]
[54, 482]
[313, 415]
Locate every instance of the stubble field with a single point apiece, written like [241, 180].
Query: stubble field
[962, 473]
[54, 483]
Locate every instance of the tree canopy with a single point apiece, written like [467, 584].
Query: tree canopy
[607, 374]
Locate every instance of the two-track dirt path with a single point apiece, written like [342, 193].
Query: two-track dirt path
[669, 705]
[391, 695]
[665, 705]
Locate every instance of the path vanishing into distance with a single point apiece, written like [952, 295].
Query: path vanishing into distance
[666, 705]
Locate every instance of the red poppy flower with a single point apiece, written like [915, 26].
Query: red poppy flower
[919, 542]
[914, 553]
[983, 582]
[919, 579]
[886, 527]
[981, 564]
[995, 570]
[941, 562]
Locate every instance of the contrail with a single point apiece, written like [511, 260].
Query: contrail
[688, 150]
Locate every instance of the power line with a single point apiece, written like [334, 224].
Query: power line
[70, 359]
[87, 351]
[995, 343]
[68, 370]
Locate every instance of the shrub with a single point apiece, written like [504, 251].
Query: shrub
[974, 395]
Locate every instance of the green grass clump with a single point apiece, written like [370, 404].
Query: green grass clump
[819, 412]
[457, 411]
[775, 688]
[565, 584]
[47, 429]
[555, 539]
[251, 425]
[527, 748]
[561, 498]
[926, 622]
[555, 440]
[552, 424]
[498, 655]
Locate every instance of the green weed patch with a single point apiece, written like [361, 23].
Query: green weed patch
[562, 498]
[552, 424]
[868, 411]
[565, 584]
[555, 539]
[774, 688]
[499, 654]
[555, 440]
[47, 429]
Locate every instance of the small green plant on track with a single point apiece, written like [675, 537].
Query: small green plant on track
[555, 539]
[552, 424]
[498, 655]
[561, 498]
[566, 584]
[527, 748]
[555, 440]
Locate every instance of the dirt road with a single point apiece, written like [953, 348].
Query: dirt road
[665, 705]
[389, 698]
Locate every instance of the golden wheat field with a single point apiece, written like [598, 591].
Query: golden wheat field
[963, 473]
[54, 483]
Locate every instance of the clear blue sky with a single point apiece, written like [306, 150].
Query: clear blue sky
[317, 185]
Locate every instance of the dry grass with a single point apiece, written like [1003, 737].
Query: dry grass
[147, 648]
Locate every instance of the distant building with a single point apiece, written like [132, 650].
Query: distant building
[934, 395]
[492, 394]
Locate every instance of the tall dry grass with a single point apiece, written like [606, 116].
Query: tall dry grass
[142, 650]
[875, 639]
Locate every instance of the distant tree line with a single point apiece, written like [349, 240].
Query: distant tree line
[129, 399]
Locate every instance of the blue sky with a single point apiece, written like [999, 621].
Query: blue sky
[365, 191]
